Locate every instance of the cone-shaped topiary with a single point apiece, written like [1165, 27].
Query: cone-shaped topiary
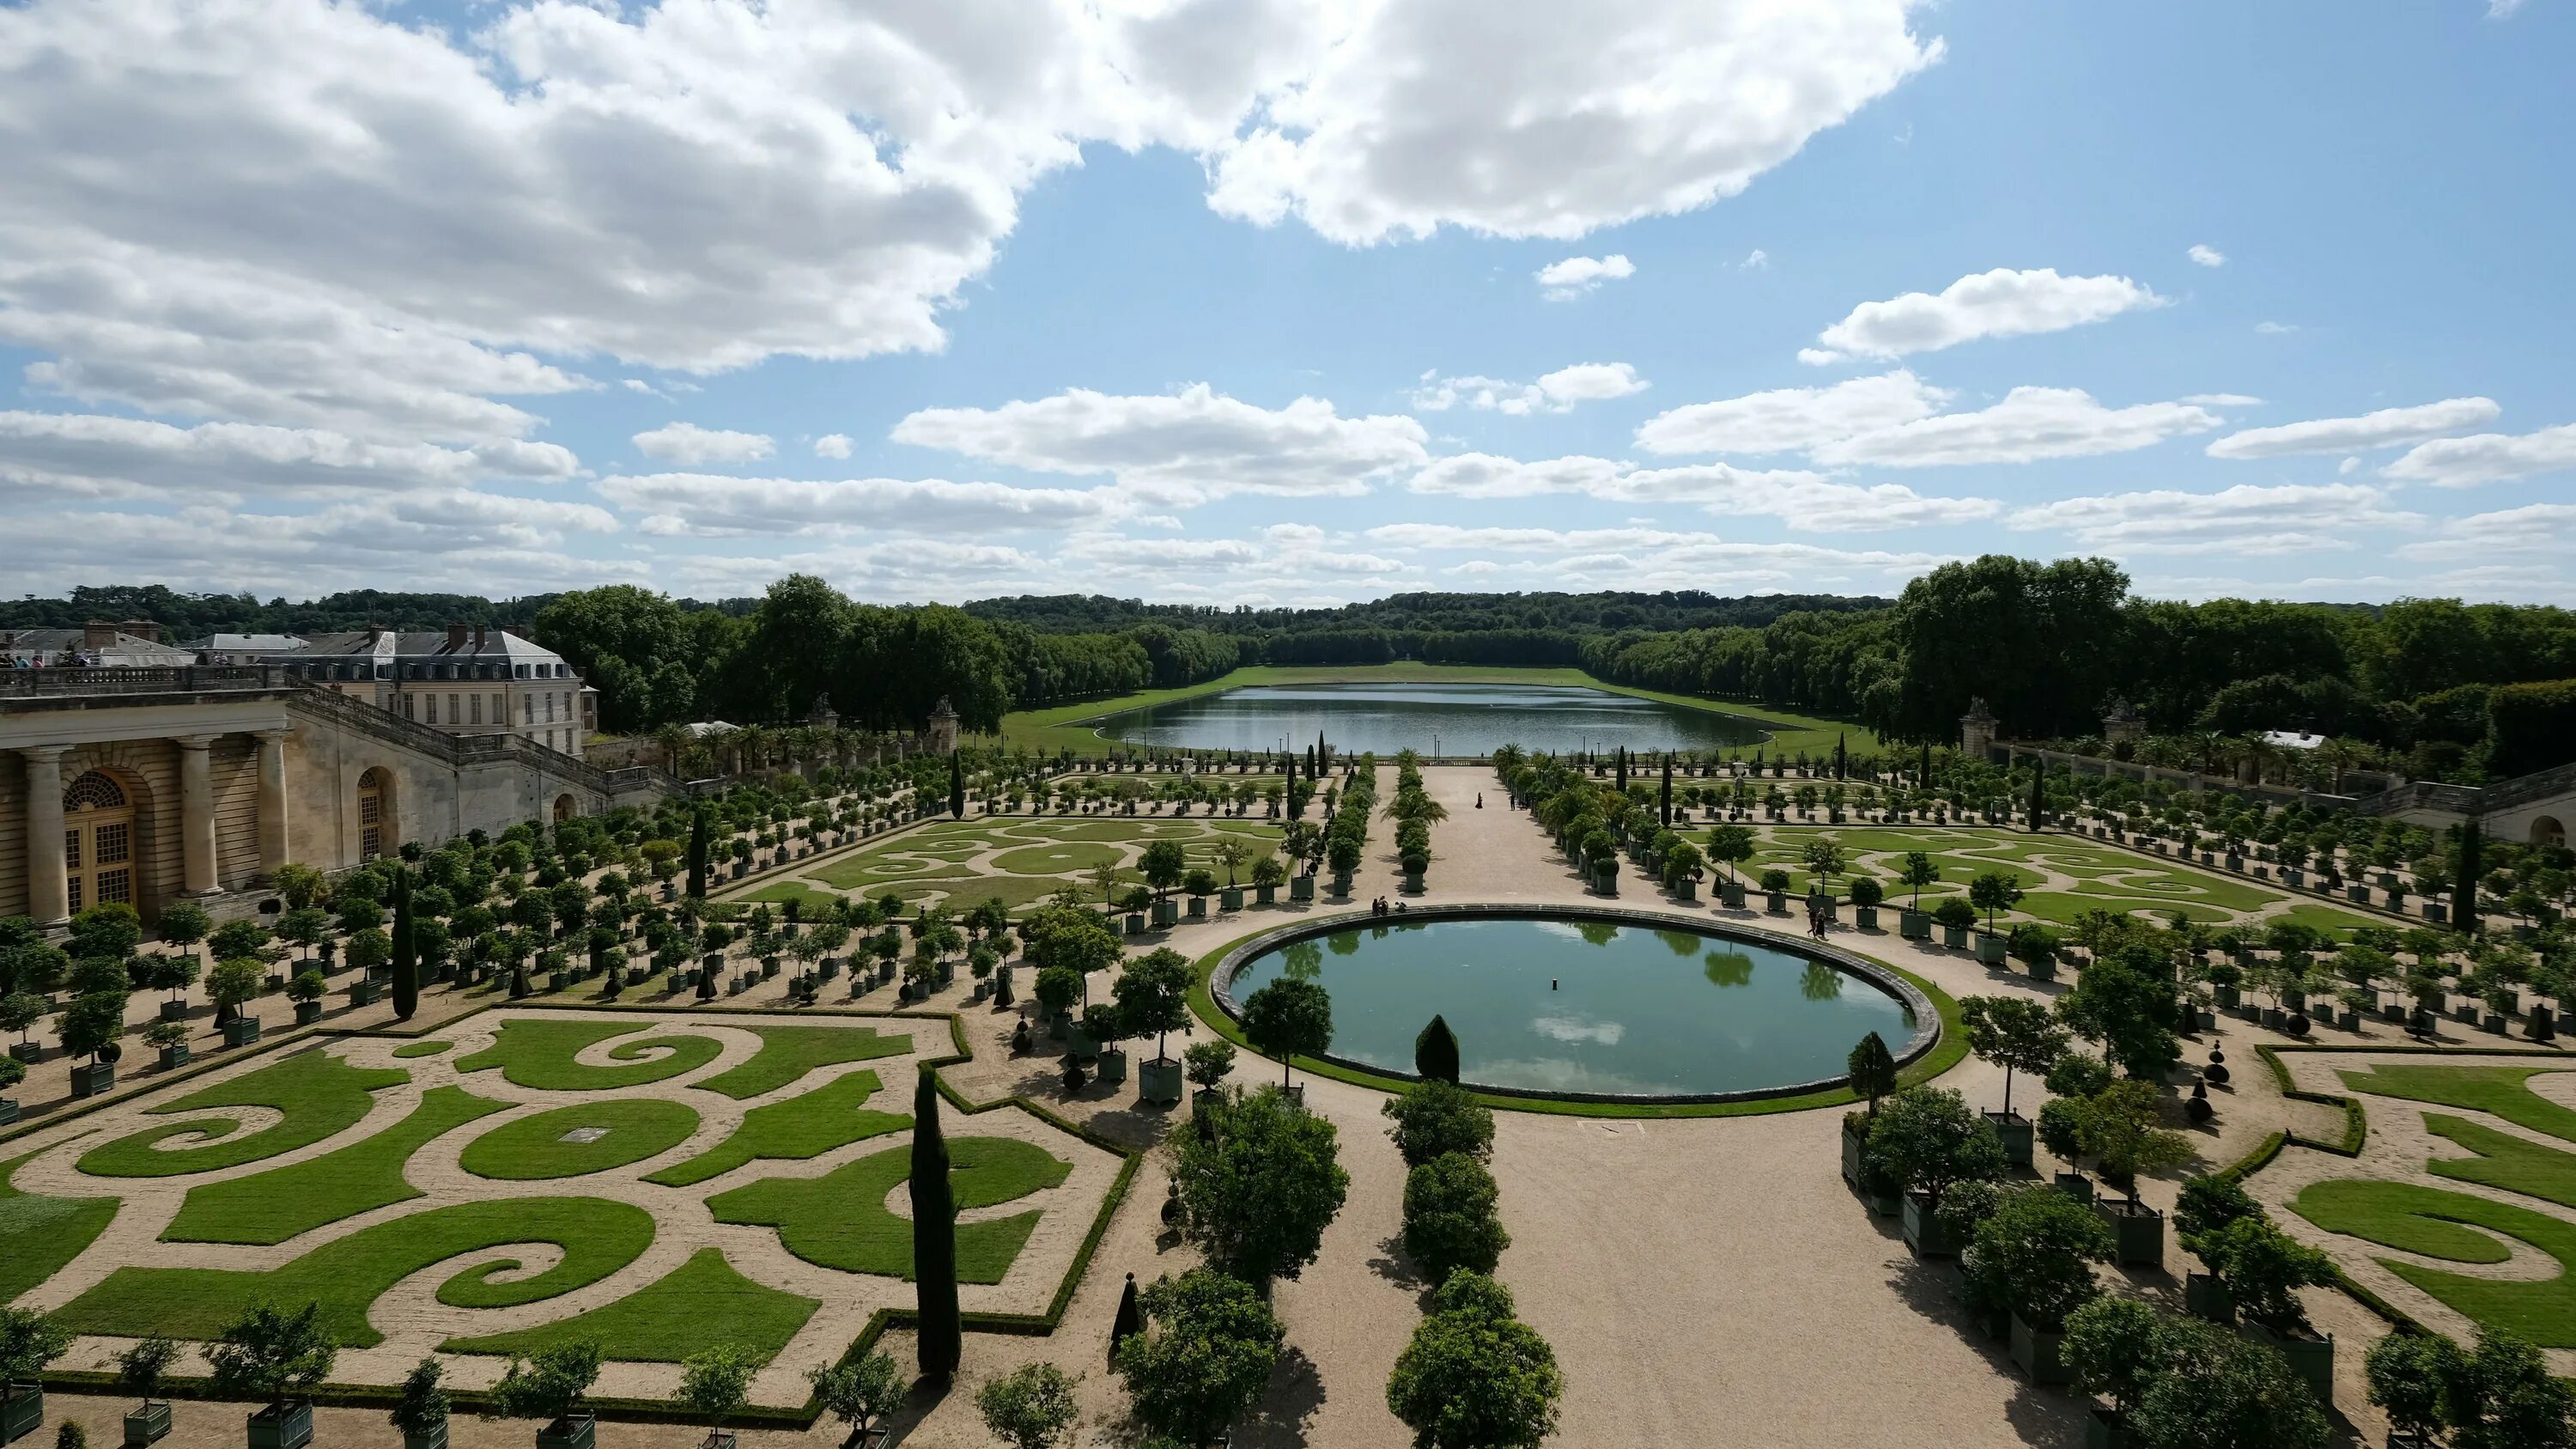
[1130, 1320]
[934, 1238]
[406, 959]
[698, 852]
[1435, 1052]
[1873, 1070]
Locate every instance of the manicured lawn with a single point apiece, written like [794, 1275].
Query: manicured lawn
[39, 1235]
[808, 899]
[2515, 1164]
[2327, 918]
[701, 1302]
[2429, 1222]
[598, 1236]
[789, 1052]
[862, 871]
[318, 1093]
[430, 1048]
[273, 1206]
[2498, 1091]
[807, 1126]
[539, 1054]
[2061, 909]
[839, 1220]
[532, 1148]
[1068, 858]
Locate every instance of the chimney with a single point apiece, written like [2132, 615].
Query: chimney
[142, 629]
[375, 632]
[478, 638]
[455, 636]
[98, 636]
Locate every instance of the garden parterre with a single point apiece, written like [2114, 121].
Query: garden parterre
[1019, 861]
[654, 1183]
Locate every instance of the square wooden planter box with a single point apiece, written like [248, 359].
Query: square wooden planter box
[288, 1426]
[2205, 1295]
[241, 1031]
[1301, 888]
[307, 1012]
[2311, 1357]
[572, 1431]
[2138, 1229]
[1776, 902]
[22, 1412]
[2017, 1132]
[432, 1438]
[2040, 1355]
[1990, 950]
[146, 1425]
[91, 1079]
[1954, 937]
[1158, 1080]
[1922, 1229]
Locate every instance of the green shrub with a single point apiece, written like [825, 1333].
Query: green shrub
[2035, 1256]
[1451, 1219]
[1434, 1117]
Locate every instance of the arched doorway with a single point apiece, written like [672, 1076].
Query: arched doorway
[98, 841]
[565, 809]
[2546, 830]
[378, 832]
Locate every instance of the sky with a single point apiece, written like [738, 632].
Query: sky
[1285, 301]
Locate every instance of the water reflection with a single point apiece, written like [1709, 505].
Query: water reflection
[1730, 968]
[1465, 719]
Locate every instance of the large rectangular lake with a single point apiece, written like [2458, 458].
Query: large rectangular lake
[1447, 719]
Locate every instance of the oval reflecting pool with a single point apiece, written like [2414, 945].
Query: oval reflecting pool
[1584, 1006]
[1453, 719]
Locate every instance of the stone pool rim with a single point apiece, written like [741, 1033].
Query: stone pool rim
[1927, 1016]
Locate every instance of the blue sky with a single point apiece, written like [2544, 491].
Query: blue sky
[1243, 302]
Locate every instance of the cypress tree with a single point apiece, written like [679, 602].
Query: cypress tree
[698, 852]
[956, 786]
[406, 961]
[1130, 1321]
[2464, 882]
[934, 1238]
[1620, 771]
[2038, 794]
[1841, 760]
[1666, 798]
[1435, 1052]
[1296, 807]
[1923, 771]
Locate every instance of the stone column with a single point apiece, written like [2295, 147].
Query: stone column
[196, 815]
[49, 889]
[272, 800]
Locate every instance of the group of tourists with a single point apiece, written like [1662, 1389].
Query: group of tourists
[1379, 907]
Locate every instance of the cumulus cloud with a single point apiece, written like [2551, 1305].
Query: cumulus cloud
[1999, 303]
[1663, 559]
[85, 455]
[2487, 458]
[2543, 530]
[1791, 419]
[2275, 329]
[716, 505]
[1574, 276]
[2385, 428]
[1754, 261]
[1182, 448]
[2204, 255]
[2246, 519]
[1557, 392]
[1525, 118]
[1895, 420]
[689, 443]
[832, 445]
[1805, 501]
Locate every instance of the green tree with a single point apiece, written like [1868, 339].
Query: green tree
[1731, 846]
[2501, 1395]
[1287, 1018]
[1919, 872]
[1452, 1218]
[183, 924]
[2127, 1002]
[1205, 1356]
[1929, 1138]
[934, 1237]
[1994, 891]
[1435, 1052]
[549, 1384]
[858, 1394]
[2407, 1374]
[716, 1381]
[2221, 1392]
[1259, 1185]
[2115, 1347]
[406, 950]
[1153, 994]
[271, 1354]
[29, 1341]
[1030, 1407]
[1872, 1070]
[1163, 865]
[1475, 1377]
[1433, 1117]
[2014, 1033]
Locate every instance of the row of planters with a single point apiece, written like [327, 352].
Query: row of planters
[1346, 829]
[1587, 820]
[1414, 813]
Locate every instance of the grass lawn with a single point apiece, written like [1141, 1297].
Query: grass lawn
[1067, 858]
[802, 1127]
[1062, 727]
[432, 1047]
[806, 897]
[2061, 909]
[273, 1206]
[701, 1302]
[2513, 1163]
[2326, 918]
[534, 1147]
[318, 1093]
[2498, 1091]
[2429, 1222]
[839, 1220]
[861, 872]
[789, 1052]
[40, 1235]
[539, 1054]
[598, 1236]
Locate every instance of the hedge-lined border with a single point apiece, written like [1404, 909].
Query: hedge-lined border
[1947, 1048]
[803, 1416]
[2356, 1133]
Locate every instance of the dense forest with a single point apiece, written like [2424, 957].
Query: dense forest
[2437, 688]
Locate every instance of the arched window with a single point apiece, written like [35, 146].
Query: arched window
[98, 841]
[378, 832]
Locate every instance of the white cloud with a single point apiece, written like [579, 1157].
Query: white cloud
[1182, 448]
[832, 445]
[2487, 457]
[2031, 423]
[1999, 303]
[2385, 428]
[2348, 467]
[2221, 400]
[2247, 519]
[1531, 119]
[2275, 329]
[85, 455]
[1791, 419]
[2545, 530]
[711, 505]
[1754, 261]
[2204, 255]
[1805, 501]
[1557, 392]
[1574, 276]
[689, 443]
[2503, 9]
[1662, 559]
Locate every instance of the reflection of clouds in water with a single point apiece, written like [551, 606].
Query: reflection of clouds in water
[1571, 1030]
[1556, 1074]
